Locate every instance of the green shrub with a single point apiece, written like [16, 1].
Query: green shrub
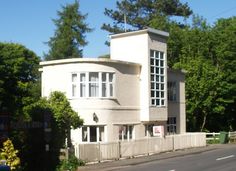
[71, 164]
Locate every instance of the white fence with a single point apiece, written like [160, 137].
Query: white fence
[212, 136]
[93, 152]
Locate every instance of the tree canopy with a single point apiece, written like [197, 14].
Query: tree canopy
[69, 36]
[142, 13]
[18, 73]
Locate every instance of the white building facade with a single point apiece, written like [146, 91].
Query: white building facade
[124, 97]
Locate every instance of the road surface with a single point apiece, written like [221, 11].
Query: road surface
[222, 159]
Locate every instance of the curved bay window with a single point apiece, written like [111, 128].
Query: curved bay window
[92, 84]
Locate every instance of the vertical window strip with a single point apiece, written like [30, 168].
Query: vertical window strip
[157, 71]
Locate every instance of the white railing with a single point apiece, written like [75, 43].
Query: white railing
[94, 152]
[212, 136]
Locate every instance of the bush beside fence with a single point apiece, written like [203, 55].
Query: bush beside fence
[96, 152]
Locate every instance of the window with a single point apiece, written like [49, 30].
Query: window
[93, 133]
[171, 125]
[172, 91]
[125, 132]
[149, 130]
[92, 84]
[74, 80]
[157, 74]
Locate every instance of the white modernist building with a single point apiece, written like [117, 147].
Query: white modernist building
[130, 96]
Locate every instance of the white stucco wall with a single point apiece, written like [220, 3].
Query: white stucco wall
[123, 108]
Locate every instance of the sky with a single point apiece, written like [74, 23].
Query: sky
[29, 22]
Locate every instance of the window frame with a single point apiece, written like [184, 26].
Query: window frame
[157, 78]
[86, 83]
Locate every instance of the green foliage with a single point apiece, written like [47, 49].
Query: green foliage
[60, 117]
[9, 154]
[71, 164]
[142, 13]
[64, 115]
[70, 32]
[18, 73]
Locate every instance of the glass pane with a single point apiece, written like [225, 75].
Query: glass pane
[104, 90]
[101, 133]
[162, 71]
[82, 77]
[152, 93]
[157, 78]
[158, 102]
[152, 85]
[130, 132]
[162, 94]
[162, 102]
[120, 132]
[152, 77]
[162, 79]
[162, 86]
[153, 101]
[152, 69]
[93, 90]
[152, 53]
[157, 62]
[162, 63]
[110, 77]
[104, 75]
[93, 134]
[93, 76]
[74, 77]
[157, 94]
[84, 134]
[111, 90]
[161, 55]
[152, 61]
[82, 90]
[73, 90]
[157, 86]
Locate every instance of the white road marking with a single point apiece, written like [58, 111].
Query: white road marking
[172, 170]
[223, 158]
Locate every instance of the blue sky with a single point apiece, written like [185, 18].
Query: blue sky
[29, 22]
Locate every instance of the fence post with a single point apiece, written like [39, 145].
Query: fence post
[173, 142]
[119, 149]
[99, 152]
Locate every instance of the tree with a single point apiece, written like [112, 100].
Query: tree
[9, 154]
[60, 118]
[142, 13]
[18, 75]
[69, 37]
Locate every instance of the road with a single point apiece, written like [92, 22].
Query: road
[222, 159]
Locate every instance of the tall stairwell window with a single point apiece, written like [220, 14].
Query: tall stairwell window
[157, 75]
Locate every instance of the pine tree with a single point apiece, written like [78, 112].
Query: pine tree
[142, 13]
[69, 37]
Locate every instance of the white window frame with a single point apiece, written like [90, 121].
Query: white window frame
[157, 78]
[86, 83]
[130, 132]
[98, 138]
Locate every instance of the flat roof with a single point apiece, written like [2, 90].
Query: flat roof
[84, 60]
[147, 30]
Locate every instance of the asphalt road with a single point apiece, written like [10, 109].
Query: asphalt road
[221, 159]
